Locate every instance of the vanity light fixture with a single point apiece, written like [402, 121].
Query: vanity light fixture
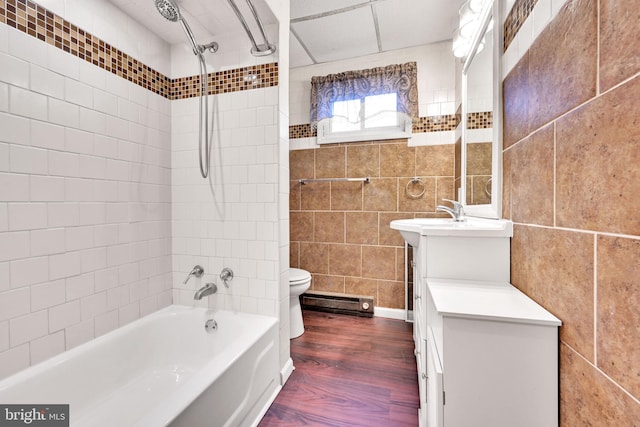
[469, 23]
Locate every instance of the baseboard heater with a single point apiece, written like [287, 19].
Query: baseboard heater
[333, 302]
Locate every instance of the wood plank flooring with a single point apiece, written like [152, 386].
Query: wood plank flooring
[350, 371]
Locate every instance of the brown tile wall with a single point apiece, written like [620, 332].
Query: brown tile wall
[571, 180]
[340, 230]
[35, 20]
[478, 173]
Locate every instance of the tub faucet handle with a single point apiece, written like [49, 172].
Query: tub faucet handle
[226, 275]
[197, 271]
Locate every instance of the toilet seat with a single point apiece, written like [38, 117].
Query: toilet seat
[298, 276]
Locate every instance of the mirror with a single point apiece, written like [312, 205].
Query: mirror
[481, 131]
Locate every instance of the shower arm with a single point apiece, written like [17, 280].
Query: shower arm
[198, 49]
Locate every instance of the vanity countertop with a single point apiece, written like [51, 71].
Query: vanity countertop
[487, 301]
[470, 227]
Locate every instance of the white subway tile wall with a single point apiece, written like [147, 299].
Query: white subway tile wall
[95, 171]
[14, 359]
[230, 220]
[85, 201]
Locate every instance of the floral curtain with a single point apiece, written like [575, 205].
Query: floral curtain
[398, 78]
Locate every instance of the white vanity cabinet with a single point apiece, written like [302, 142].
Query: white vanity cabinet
[464, 257]
[446, 256]
[491, 357]
[487, 354]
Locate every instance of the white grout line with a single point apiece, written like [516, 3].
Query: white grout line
[578, 230]
[598, 48]
[595, 299]
[577, 107]
[601, 372]
[555, 176]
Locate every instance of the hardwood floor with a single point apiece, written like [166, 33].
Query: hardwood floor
[350, 371]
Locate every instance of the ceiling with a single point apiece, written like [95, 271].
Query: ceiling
[330, 30]
[321, 30]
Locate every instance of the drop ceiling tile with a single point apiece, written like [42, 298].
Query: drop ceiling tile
[297, 55]
[335, 37]
[422, 22]
[216, 19]
[300, 8]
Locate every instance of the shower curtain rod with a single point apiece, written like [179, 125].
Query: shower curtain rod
[256, 50]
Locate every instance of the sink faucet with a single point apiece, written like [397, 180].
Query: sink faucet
[205, 291]
[456, 212]
[197, 271]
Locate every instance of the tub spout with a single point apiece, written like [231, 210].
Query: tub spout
[205, 291]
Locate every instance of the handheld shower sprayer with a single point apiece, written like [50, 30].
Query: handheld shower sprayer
[169, 10]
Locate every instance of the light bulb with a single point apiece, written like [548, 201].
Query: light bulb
[476, 5]
[460, 51]
[469, 29]
[460, 45]
[466, 14]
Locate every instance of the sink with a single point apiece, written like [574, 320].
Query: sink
[412, 229]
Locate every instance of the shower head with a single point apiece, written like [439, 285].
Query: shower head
[169, 9]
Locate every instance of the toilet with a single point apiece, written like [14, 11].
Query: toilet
[299, 281]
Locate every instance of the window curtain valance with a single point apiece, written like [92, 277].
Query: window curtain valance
[398, 78]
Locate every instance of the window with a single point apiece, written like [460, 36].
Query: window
[365, 105]
[369, 118]
[375, 111]
[347, 116]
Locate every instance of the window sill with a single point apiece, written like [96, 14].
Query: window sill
[325, 136]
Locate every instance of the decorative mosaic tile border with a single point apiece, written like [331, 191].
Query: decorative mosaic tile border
[436, 123]
[38, 22]
[246, 78]
[421, 125]
[481, 120]
[302, 131]
[518, 14]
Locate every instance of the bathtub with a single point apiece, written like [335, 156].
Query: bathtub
[163, 369]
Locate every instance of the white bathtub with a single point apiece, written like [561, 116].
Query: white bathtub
[163, 369]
